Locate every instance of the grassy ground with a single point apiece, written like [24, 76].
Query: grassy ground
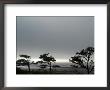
[59, 70]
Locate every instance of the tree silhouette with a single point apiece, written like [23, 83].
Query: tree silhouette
[26, 60]
[41, 62]
[32, 62]
[21, 62]
[84, 59]
[43, 66]
[48, 59]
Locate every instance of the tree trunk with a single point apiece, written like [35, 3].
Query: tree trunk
[88, 65]
[50, 66]
[29, 67]
[87, 68]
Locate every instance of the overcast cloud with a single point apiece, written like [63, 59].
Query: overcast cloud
[60, 36]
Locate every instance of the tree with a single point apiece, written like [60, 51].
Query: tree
[21, 62]
[41, 62]
[32, 62]
[84, 59]
[27, 60]
[48, 59]
[43, 66]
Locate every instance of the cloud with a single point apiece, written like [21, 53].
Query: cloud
[61, 36]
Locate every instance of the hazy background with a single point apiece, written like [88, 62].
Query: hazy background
[62, 37]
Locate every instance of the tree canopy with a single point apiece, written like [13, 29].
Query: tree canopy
[84, 59]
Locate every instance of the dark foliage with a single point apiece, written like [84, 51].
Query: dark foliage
[55, 66]
[21, 62]
[83, 58]
[24, 61]
[48, 59]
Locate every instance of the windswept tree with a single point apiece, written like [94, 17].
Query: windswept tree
[32, 62]
[25, 60]
[48, 59]
[41, 62]
[84, 58]
[43, 66]
[21, 62]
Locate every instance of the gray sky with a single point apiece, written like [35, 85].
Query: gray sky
[62, 37]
